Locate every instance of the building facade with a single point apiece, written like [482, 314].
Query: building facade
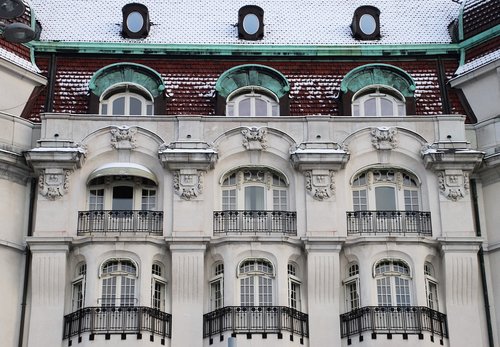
[255, 174]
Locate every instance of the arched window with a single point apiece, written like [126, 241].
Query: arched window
[431, 286]
[378, 101]
[252, 102]
[351, 287]
[385, 190]
[158, 286]
[255, 189]
[294, 287]
[217, 286]
[256, 282]
[118, 277]
[126, 99]
[393, 280]
[78, 286]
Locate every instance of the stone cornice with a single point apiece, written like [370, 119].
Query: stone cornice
[60, 154]
[319, 155]
[444, 156]
[188, 155]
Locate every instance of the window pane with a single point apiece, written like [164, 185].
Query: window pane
[127, 291]
[260, 108]
[385, 198]
[108, 291]
[119, 106]
[135, 107]
[251, 23]
[432, 298]
[244, 108]
[359, 200]
[229, 199]
[77, 295]
[216, 295]
[401, 110]
[104, 109]
[370, 107]
[275, 110]
[402, 291]
[149, 110]
[355, 110]
[280, 200]
[294, 295]
[148, 199]
[96, 199]
[411, 200]
[123, 198]
[384, 292]
[386, 107]
[352, 295]
[230, 110]
[254, 198]
[265, 291]
[247, 291]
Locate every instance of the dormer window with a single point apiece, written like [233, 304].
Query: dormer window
[366, 23]
[378, 101]
[126, 99]
[251, 23]
[135, 21]
[252, 102]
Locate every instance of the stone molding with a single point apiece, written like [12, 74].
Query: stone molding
[320, 183]
[255, 138]
[123, 137]
[188, 183]
[384, 137]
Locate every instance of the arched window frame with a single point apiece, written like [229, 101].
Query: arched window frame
[273, 185]
[256, 282]
[378, 95]
[431, 287]
[393, 282]
[158, 286]
[352, 287]
[294, 286]
[216, 283]
[128, 92]
[119, 285]
[254, 95]
[78, 285]
[367, 184]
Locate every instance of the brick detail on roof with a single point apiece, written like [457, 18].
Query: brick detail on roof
[15, 48]
[482, 49]
[480, 15]
[190, 84]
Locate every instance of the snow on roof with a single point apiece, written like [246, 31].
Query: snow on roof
[479, 62]
[17, 60]
[287, 22]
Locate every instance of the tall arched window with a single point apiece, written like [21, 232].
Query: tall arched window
[158, 286]
[393, 280]
[256, 282]
[118, 277]
[217, 286]
[294, 287]
[78, 285]
[378, 101]
[351, 287]
[431, 286]
[252, 102]
[126, 99]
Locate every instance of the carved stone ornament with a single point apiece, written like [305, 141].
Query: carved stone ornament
[384, 137]
[453, 184]
[53, 183]
[254, 138]
[123, 137]
[320, 183]
[188, 184]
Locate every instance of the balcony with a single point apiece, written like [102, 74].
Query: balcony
[394, 320]
[256, 320]
[389, 223]
[123, 320]
[120, 221]
[255, 222]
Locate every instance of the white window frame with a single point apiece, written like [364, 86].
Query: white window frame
[158, 279]
[132, 90]
[378, 93]
[430, 280]
[294, 281]
[252, 93]
[217, 300]
[255, 281]
[122, 278]
[391, 280]
[78, 289]
[352, 281]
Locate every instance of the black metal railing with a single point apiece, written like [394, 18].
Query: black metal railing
[389, 222]
[255, 319]
[253, 222]
[117, 320]
[393, 320]
[121, 221]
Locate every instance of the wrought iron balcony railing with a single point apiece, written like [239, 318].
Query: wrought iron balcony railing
[256, 320]
[117, 320]
[394, 320]
[389, 223]
[120, 221]
[254, 222]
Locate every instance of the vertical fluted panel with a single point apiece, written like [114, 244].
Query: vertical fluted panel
[322, 276]
[462, 280]
[187, 276]
[48, 279]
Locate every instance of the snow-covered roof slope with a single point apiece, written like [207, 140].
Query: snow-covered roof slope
[287, 22]
[17, 60]
[479, 62]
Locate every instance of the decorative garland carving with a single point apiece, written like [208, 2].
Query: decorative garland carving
[255, 138]
[123, 137]
[188, 184]
[53, 183]
[384, 137]
[453, 184]
[320, 183]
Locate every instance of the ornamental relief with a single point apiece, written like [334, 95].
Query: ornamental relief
[123, 137]
[453, 184]
[320, 183]
[384, 137]
[255, 138]
[53, 183]
[188, 184]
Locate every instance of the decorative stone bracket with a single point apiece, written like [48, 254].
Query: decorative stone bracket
[384, 137]
[189, 161]
[453, 162]
[54, 161]
[319, 161]
[255, 138]
[123, 137]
